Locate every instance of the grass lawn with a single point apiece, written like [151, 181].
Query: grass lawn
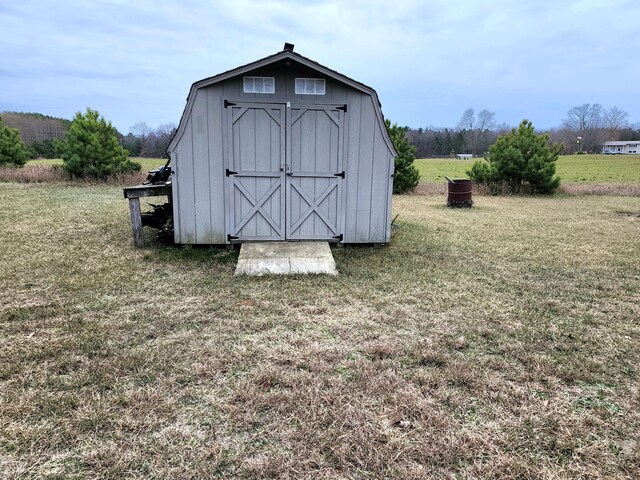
[497, 342]
[570, 168]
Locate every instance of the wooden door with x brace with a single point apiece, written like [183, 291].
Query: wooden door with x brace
[285, 172]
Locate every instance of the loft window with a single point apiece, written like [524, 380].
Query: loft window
[310, 86]
[259, 85]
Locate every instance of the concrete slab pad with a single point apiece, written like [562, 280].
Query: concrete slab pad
[281, 258]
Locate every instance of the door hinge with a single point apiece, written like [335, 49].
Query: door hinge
[338, 237]
[341, 174]
[343, 108]
[231, 172]
[227, 103]
[231, 237]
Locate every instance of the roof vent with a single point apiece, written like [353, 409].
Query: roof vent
[288, 47]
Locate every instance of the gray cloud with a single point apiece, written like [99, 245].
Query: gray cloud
[135, 61]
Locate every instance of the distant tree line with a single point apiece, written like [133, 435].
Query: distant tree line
[473, 134]
[584, 130]
[35, 127]
[144, 141]
[588, 126]
[40, 132]
[434, 142]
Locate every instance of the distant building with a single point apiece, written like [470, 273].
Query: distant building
[614, 148]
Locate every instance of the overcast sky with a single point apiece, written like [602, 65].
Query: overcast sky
[428, 60]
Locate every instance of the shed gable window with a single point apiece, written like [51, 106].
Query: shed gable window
[310, 86]
[259, 85]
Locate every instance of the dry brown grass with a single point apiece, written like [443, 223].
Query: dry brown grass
[56, 174]
[430, 188]
[628, 189]
[617, 189]
[500, 341]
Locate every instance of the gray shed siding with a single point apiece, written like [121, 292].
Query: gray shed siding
[198, 179]
[201, 152]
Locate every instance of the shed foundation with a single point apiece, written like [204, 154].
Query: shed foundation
[282, 258]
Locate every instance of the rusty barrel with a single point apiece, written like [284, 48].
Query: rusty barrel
[459, 194]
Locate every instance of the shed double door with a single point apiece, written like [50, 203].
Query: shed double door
[284, 171]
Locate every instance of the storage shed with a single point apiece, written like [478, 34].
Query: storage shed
[281, 149]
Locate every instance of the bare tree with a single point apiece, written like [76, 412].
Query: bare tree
[163, 135]
[476, 128]
[565, 137]
[615, 120]
[593, 124]
[148, 142]
[142, 130]
[502, 128]
[486, 123]
[468, 120]
[35, 127]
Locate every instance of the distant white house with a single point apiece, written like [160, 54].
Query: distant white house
[614, 148]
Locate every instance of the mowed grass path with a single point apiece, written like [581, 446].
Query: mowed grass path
[497, 342]
[570, 168]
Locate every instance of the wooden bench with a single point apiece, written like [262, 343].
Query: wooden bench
[134, 194]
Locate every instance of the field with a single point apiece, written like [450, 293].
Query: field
[147, 163]
[497, 342]
[570, 168]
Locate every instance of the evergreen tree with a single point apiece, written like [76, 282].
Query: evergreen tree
[437, 141]
[447, 141]
[12, 149]
[91, 149]
[521, 160]
[458, 143]
[406, 175]
[43, 149]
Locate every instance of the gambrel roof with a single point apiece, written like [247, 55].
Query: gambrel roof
[286, 54]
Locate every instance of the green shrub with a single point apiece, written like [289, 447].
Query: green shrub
[521, 161]
[406, 175]
[13, 151]
[91, 149]
[43, 149]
